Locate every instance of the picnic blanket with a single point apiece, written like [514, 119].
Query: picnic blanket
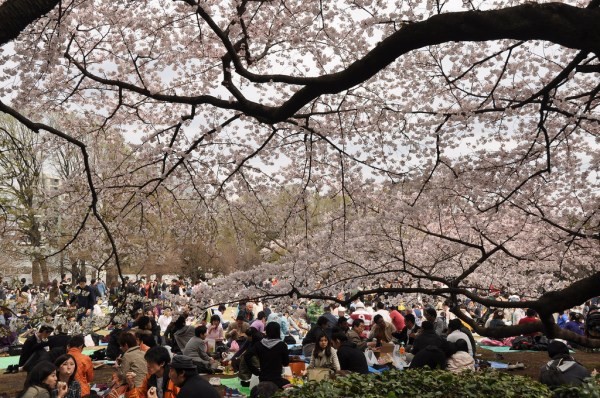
[235, 383]
[6, 361]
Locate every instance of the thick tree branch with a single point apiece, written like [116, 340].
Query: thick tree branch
[16, 15]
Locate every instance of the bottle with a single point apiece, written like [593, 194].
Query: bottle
[402, 350]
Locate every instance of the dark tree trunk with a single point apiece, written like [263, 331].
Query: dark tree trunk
[16, 15]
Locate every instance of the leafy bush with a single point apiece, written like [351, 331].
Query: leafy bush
[424, 384]
[591, 389]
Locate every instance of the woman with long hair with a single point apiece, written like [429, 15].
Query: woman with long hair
[41, 381]
[66, 367]
[324, 355]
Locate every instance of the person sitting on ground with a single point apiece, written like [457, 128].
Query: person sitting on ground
[351, 359]
[497, 319]
[455, 333]
[133, 363]
[236, 329]
[85, 369]
[178, 333]
[196, 349]
[238, 361]
[66, 369]
[215, 329]
[397, 320]
[247, 312]
[272, 355]
[35, 349]
[575, 324]
[42, 381]
[430, 356]
[184, 374]
[408, 334]
[324, 355]
[309, 341]
[157, 378]
[438, 323]
[381, 330]
[530, 317]
[260, 322]
[343, 324]
[118, 387]
[562, 368]
[460, 360]
[355, 335]
[427, 337]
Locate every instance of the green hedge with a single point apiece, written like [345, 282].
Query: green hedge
[591, 389]
[424, 384]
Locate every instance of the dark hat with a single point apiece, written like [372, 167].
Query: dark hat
[557, 348]
[182, 362]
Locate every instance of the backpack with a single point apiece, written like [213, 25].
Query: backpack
[552, 374]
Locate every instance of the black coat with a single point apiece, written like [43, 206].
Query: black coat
[427, 338]
[561, 370]
[352, 359]
[196, 387]
[30, 346]
[272, 360]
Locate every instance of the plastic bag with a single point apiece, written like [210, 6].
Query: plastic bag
[371, 358]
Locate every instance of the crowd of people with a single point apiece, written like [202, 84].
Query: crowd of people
[161, 348]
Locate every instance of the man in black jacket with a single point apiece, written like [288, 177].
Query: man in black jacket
[562, 369]
[84, 298]
[36, 348]
[351, 358]
[184, 375]
[427, 337]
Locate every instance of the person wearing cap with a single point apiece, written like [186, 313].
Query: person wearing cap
[184, 375]
[562, 368]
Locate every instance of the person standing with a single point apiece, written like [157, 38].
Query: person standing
[84, 299]
[164, 320]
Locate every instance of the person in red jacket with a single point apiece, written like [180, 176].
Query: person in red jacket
[530, 317]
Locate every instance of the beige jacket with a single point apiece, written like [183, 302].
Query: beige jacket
[133, 361]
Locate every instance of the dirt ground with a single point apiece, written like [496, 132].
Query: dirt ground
[11, 384]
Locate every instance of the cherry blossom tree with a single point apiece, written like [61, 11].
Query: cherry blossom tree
[457, 140]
